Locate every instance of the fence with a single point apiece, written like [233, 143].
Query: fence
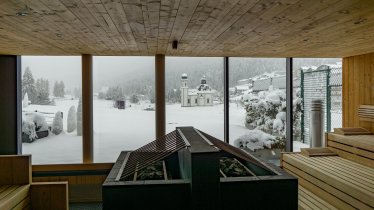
[324, 83]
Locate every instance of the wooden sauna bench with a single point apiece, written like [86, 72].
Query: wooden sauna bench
[342, 183]
[17, 191]
[357, 148]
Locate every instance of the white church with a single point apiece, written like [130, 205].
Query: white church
[201, 96]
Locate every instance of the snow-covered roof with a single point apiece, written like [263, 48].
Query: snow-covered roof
[243, 87]
[268, 75]
[184, 76]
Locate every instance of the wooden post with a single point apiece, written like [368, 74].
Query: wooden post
[10, 105]
[87, 109]
[160, 95]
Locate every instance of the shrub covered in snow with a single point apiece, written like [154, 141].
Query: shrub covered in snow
[72, 119]
[28, 129]
[39, 121]
[266, 111]
[256, 139]
[79, 118]
[58, 124]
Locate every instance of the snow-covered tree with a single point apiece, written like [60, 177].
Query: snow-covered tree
[115, 93]
[57, 125]
[59, 89]
[62, 89]
[79, 118]
[25, 101]
[42, 92]
[72, 119]
[134, 99]
[28, 85]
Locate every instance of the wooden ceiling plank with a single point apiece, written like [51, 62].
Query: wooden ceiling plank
[99, 12]
[82, 12]
[151, 16]
[299, 24]
[185, 11]
[29, 26]
[334, 28]
[118, 16]
[77, 27]
[168, 13]
[219, 11]
[62, 29]
[134, 14]
[239, 11]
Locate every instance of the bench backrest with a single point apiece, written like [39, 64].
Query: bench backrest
[15, 169]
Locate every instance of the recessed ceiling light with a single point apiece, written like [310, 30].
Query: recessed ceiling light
[22, 13]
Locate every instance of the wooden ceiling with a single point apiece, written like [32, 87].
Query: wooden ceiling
[258, 28]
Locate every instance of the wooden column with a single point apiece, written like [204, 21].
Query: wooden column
[87, 109]
[10, 105]
[160, 95]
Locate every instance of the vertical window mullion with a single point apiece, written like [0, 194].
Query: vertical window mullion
[226, 98]
[289, 104]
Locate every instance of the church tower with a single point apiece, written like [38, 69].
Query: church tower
[184, 90]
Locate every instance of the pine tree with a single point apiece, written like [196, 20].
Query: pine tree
[56, 89]
[28, 85]
[62, 89]
[72, 119]
[42, 91]
[57, 125]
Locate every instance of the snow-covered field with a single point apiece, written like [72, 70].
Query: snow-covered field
[117, 130]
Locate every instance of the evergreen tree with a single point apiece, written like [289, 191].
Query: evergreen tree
[56, 89]
[57, 125]
[28, 85]
[62, 89]
[72, 119]
[42, 91]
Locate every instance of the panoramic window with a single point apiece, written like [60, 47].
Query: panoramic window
[123, 104]
[317, 93]
[257, 109]
[51, 112]
[194, 94]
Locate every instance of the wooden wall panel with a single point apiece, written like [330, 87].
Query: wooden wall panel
[358, 88]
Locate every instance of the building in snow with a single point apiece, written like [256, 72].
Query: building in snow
[201, 96]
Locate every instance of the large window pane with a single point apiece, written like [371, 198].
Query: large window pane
[258, 105]
[51, 88]
[124, 117]
[316, 79]
[194, 94]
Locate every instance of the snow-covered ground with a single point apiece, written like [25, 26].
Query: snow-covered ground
[117, 130]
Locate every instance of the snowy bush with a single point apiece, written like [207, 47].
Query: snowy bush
[72, 119]
[58, 124]
[39, 121]
[28, 128]
[266, 111]
[79, 118]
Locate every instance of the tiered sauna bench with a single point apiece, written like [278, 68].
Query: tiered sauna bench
[342, 181]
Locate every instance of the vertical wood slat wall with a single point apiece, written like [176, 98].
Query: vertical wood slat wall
[358, 88]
